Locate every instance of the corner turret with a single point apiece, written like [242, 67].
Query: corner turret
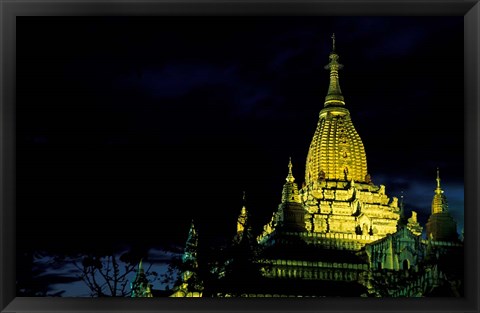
[242, 222]
[441, 226]
[291, 214]
[334, 95]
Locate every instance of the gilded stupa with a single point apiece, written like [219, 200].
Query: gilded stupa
[336, 151]
[339, 195]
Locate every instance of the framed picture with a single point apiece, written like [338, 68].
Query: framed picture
[241, 151]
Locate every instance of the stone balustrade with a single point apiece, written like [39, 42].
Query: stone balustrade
[314, 270]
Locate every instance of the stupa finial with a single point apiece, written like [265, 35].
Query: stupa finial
[334, 94]
[438, 178]
[290, 177]
[333, 42]
[242, 218]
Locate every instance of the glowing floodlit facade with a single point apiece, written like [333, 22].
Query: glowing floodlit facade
[340, 234]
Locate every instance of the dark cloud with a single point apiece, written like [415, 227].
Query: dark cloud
[176, 80]
[162, 257]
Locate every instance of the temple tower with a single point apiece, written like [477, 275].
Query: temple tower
[291, 214]
[339, 195]
[242, 223]
[441, 226]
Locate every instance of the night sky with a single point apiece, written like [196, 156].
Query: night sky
[129, 128]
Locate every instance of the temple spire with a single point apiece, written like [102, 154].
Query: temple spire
[333, 42]
[438, 190]
[439, 202]
[242, 219]
[290, 177]
[290, 189]
[244, 205]
[334, 95]
[438, 180]
[402, 207]
[291, 214]
[441, 226]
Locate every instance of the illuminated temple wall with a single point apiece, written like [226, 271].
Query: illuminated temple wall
[350, 208]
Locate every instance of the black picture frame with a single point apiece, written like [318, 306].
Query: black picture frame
[10, 10]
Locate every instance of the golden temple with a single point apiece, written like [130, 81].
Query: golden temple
[339, 235]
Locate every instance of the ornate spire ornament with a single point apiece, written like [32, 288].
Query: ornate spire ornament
[402, 208]
[242, 219]
[439, 189]
[291, 214]
[290, 188]
[334, 95]
[441, 226]
[439, 202]
[290, 177]
[333, 42]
